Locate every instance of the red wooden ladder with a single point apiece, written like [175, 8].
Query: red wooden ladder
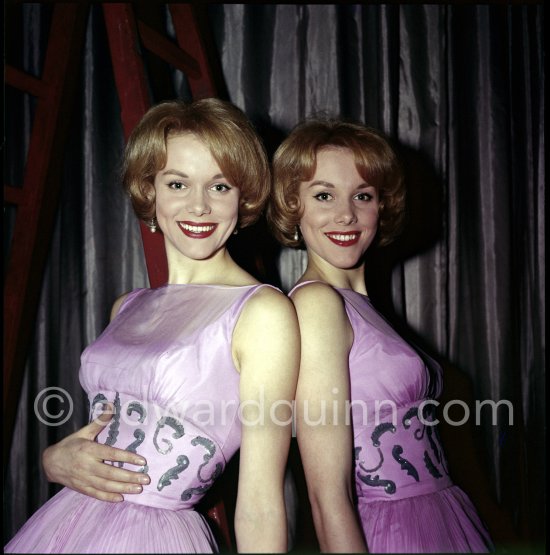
[36, 198]
[35, 213]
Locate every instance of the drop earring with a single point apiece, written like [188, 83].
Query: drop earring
[153, 224]
[297, 234]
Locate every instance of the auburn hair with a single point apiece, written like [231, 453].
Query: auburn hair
[295, 162]
[222, 127]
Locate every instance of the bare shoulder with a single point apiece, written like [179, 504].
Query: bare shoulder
[318, 298]
[268, 315]
[117, 304]
[322, 316]
[267, 334]
[267, 302]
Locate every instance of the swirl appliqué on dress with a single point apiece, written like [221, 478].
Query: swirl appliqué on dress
[176, 425]
[409, 415]
[135, 406]
[406, 420]
[139, 434]
[434, 439]
[140, 437]
[397, 451]
[361, 463]
[433, 458]
[99, 398]
[375, 481]
[182, 462]
[437, 442]
[432, 469]
[381, 429]
[211, 451]
[115, 422]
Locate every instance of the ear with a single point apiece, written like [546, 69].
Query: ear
[148, 191]
[294, 204]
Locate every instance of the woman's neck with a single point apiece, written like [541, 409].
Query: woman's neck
[319, 269]
[218, 269]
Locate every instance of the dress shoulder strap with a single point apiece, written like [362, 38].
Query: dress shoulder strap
[129, 298]
[238, 306]
[298, 285]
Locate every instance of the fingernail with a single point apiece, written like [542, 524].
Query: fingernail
[144, 479]
[141, 461]
[136, 489]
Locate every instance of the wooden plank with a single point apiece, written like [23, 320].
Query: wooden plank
[41, 184]
[25, 82]
[165, 49]
[186, 25]
[134, 99]
[14, 195]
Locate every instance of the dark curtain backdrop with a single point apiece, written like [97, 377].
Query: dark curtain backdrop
[460, 88]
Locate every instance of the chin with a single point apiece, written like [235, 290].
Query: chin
[344, 262]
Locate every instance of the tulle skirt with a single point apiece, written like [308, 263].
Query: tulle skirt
[74, 523]
[440, 522]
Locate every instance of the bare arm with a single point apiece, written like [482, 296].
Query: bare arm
[266, 347]
[323, 422]
[77, 461]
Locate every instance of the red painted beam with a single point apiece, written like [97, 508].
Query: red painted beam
[39, 196]
[134, 99]
[165, 49]
[190, 40]
[25, 82]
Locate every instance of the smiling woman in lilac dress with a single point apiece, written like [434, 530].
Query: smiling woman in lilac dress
[338, 188]
[195, 369]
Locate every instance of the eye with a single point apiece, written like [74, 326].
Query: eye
[323, 197]
[220, 187]
[364, 196]
[176, 185]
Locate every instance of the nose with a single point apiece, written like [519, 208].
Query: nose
[345, 213]
[198, 202]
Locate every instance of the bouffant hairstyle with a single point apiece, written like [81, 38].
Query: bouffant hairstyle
[222, 127]
[295, 162]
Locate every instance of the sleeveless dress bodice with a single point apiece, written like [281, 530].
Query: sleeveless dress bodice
[393, 389]
[406, 500]
[165, 365]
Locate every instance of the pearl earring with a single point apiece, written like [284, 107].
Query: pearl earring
[153, 224]
[297, 234]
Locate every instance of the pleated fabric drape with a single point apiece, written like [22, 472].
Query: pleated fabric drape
[460, 88]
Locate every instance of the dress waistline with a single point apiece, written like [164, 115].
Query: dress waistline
[183, 459]
[401, 456]
[158, 501]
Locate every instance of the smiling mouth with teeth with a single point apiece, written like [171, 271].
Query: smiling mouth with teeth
[344, 239]
[197, 231]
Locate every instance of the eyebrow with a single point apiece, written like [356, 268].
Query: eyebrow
[322, 183]
[181, 174]
[329, 185]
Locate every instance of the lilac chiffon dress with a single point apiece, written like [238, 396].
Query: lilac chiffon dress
[406, 500]
[165, 363]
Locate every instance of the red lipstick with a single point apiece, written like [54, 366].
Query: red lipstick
[344, 238]
[197, 230]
